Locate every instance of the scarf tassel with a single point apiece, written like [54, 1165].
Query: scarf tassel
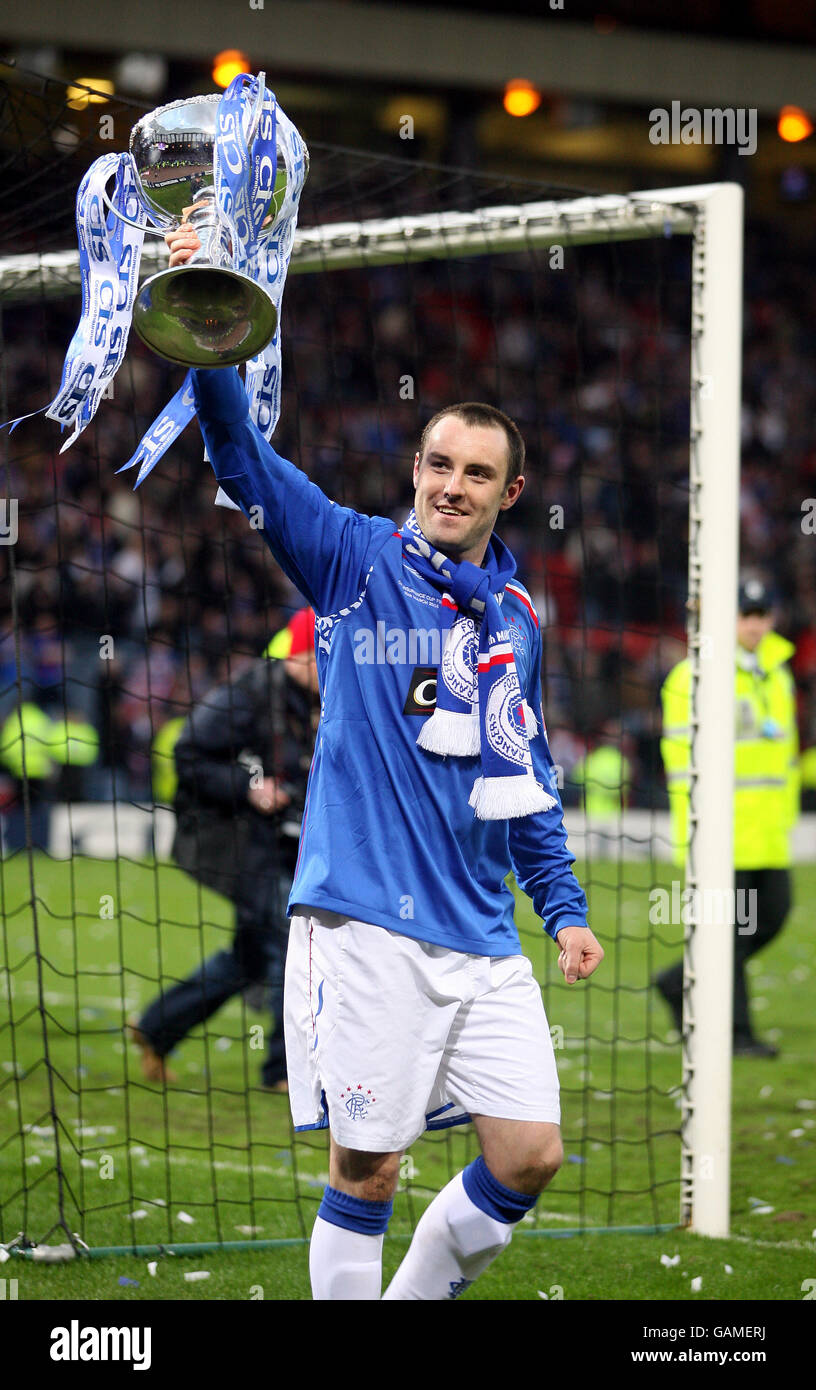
[448, 733]
[504, 798]
[530, 722]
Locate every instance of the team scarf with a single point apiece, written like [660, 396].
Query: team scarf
[480, 709]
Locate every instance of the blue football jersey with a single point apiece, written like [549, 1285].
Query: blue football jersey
[388, 835]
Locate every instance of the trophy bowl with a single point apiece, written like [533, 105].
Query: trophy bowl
[198, 314]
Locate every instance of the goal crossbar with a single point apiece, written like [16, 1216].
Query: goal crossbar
[397, 240]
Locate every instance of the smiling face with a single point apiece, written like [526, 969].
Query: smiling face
[461, 486]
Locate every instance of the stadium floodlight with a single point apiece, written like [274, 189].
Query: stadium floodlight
[711, 215]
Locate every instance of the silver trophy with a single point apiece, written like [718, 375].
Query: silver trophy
[200, 314]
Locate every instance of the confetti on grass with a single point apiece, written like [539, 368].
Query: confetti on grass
[759, 1207]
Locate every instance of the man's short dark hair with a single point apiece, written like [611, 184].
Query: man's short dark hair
[476, 414]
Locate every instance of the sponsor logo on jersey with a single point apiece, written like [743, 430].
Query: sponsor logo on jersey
[421, 698]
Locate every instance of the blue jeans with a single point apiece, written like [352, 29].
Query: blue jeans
[257, 956]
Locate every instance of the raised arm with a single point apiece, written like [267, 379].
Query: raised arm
[326, 550]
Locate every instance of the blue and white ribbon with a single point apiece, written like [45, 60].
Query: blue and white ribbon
[165, 429]
[269, 265]
[245, 162]
[109, 256]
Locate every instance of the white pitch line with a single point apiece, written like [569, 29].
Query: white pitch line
[52, 996]
[775, 1244]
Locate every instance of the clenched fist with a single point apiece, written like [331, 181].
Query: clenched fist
[581, 953]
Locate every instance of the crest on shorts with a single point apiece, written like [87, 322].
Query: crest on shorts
[357, 1100]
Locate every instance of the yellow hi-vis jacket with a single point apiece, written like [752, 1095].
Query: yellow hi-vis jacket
[605, 775]
[74, 743]
[162, 762]
[25, 743]
[766, 787]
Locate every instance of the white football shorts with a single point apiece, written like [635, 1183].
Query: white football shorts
[387, 1036]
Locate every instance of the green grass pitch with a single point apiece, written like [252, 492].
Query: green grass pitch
[213, 1158]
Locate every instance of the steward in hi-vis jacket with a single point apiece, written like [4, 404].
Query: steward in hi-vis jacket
[766, 793]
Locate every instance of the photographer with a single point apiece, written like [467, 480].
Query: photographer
[242, 759]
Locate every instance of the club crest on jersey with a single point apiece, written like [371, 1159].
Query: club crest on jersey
[504, 720]
[460, 661]
[357, 1101]
[458, 1286]
[517, 636]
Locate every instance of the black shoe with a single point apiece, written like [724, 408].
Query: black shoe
[674, 1001]
[753, 1047]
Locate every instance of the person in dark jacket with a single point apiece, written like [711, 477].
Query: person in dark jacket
[242, 760]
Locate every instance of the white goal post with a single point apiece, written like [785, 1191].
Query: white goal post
[712, 215]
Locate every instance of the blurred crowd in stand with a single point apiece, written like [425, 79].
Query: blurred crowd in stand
[131, 605]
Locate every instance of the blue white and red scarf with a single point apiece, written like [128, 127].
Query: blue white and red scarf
[480, 708]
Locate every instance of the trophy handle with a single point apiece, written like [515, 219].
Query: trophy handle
[140, 227]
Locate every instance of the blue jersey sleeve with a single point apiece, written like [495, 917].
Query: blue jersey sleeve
[541, 861]
[326, 550]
